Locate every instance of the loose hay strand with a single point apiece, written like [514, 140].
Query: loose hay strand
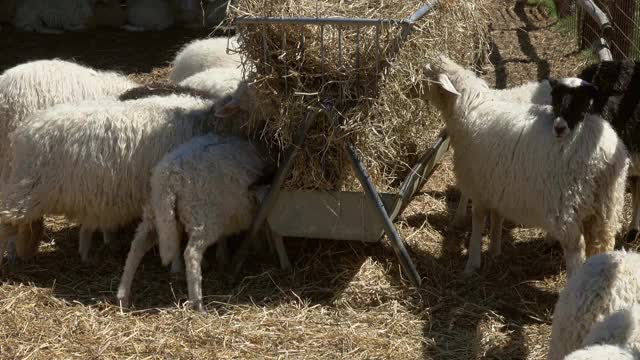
[295, 66]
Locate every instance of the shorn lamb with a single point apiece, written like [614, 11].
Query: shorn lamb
[53, 17]
[505, 160]
[37, 85]
[200, 55]
[203, 188]
[597, 305]
[616, 95]
[529, 93]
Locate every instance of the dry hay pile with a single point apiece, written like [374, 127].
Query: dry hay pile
[376, 110]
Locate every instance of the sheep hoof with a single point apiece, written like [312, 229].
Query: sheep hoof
[198, 306]
[124, 301]
[632, 235]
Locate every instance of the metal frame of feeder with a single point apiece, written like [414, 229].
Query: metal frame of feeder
[418, 175]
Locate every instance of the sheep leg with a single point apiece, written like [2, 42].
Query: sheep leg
[478, 216]
[177, 265]
[141, 244]
[84, 246]
[193, 264]
[495, 247]
[573, 248]
[28, 239]
[7, 235]
[283, 258]
[598, 237]
[634, 228]
[461, 211]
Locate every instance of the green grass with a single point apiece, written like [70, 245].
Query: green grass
[550, 5]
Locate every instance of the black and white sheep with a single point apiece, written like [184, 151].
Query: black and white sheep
[203, 188]
[506, 162]
[612, 89]
[599, 305]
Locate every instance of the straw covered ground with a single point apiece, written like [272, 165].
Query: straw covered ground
[342, 300]
[357, 70]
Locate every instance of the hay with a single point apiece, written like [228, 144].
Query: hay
[376, 111]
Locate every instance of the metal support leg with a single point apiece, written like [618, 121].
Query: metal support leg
[274, 191]
[389, 228]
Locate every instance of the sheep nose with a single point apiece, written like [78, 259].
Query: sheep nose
[559, 130]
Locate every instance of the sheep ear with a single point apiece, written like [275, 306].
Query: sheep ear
[446, 84]
[228, 109]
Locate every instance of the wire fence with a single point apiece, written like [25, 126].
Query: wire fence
[624, 16]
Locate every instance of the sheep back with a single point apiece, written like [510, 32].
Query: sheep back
[203, 54]
[604, 284]
[92, 160]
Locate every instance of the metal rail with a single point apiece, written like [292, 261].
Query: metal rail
[307, 20]
[601, 46]
[420, 171]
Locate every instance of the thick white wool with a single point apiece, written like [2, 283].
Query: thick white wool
[91, 161]
[203, 54]
[605, 284]
[601, 352]
[37, 85]
[531, 92]
[220, 82]
[506, 161]
[622, 328]
[144, 15]
[203, 188]
[51, 16]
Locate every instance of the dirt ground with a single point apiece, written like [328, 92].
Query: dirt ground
[342, 300]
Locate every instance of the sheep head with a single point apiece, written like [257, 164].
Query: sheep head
[571, 99]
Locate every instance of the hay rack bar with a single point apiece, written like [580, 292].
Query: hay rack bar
[342, 215]
[601, 45]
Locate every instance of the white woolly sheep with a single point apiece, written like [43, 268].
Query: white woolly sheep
[202, 187]
[219, 82]
[506, 162]
[601, 352]
[52, 17]
[605, 284]
[529, 93]
[611, 89]
[200, 55]
[37, 85]
[108, 149]
[149, 15]
[621, 328]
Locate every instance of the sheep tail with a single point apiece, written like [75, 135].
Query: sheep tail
[166, 219]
